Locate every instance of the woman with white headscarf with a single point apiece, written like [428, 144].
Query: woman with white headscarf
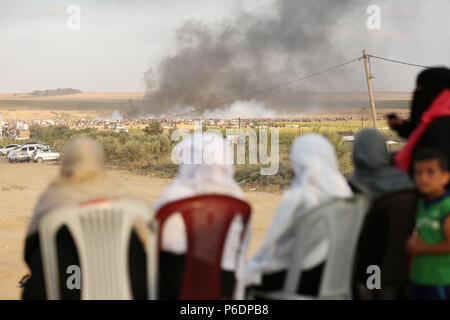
[206, 167]
[82, 177]
[316, 180]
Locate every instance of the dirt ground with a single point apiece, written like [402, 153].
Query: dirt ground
[21, 185]
[105, 96]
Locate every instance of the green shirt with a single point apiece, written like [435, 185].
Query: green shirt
[431, 269]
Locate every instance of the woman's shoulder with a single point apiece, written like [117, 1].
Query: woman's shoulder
[358, 188]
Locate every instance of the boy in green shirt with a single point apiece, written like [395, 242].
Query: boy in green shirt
[430, 244]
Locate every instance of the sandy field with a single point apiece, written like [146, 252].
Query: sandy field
[27, 114]
[105, 96]
[21, 185]
[48, 108]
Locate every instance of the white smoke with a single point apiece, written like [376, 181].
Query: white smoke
[249, 109]
[115, 116]
[178, 112]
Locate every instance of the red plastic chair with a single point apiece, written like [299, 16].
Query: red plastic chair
[207, 219]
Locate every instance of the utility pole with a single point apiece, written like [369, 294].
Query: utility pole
[369, 86]
[239, 123]
[362, 117]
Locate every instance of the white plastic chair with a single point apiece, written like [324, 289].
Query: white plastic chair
[342, 220]
[101, 231]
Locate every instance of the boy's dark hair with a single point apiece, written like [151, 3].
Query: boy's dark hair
[430, 153]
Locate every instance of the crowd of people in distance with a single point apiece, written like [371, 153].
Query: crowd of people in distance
[406, 227]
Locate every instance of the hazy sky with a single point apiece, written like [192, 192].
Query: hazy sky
[120, 40]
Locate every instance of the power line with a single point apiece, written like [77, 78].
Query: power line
[286, 83]
[401, 62]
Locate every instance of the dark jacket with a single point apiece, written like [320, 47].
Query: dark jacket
[386, 228]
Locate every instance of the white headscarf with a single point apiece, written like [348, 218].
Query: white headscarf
[317, 180]
[208, 169]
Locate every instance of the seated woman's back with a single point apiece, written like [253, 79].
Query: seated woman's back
[82, 177]
[391, 216]
[316, 181]
[387, 226]
[206, 168]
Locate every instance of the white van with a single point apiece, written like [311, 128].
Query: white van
[9, 147]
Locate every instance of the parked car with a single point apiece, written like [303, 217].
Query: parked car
[9, 147]
[45, 155]
[12, 150]
[19, 156]
[28, 148]
[120, 129]
[38, 143]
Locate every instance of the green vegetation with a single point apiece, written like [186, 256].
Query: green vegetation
[54, 92]
[122, 150]
[149, 154]
[249, 175]
[13, 187]
[154, 128]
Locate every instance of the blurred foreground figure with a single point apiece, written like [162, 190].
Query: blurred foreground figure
[317, 180]
[206, 168]
[429, 272]
[429, 125]
[390, 219]
[82, 177]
